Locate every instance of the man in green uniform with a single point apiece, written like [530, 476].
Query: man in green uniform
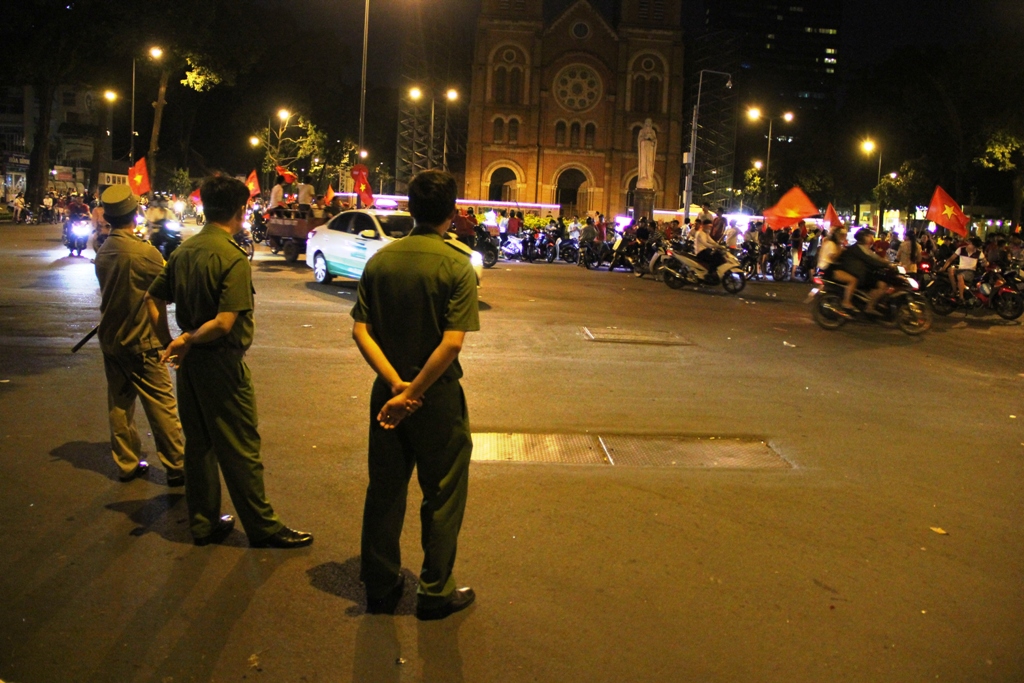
[210, 280]
[125, 267]
[416, 301]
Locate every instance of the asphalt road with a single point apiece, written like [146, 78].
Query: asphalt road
[825, 571]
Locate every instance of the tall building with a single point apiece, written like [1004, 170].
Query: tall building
[557, 101]
[789, 51]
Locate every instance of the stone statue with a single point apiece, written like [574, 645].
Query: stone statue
[647, 144]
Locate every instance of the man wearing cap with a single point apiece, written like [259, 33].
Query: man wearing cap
[126, 266]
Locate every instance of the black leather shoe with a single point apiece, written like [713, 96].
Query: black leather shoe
[220, 531]
[285, 538]
[389, 603]
[139, 470]
[175, 479]
[460, 600]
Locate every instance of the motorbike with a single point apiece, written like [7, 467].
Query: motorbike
[243, 238]
[650, 261]
[77, 230]
[749, 257]
[902, 305]
[565, 248]
[513, 247]
[682, 268]
[535, 245]
[992, 290]
[626, 253]
[487, 245]
[259, 226]
[165, 235]
[780, 263]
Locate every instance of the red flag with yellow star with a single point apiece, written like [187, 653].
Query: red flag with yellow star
[794, 206]
[360, 174]
[138, 178]
[329, 195]
[253, 183]
[831, 217]
[946, 212]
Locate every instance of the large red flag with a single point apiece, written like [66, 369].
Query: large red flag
[360, 174]
[195, 197]
[138, 178]
[794, 206]
[946, 212]
[831, 217]
[253, 183]
[288, 176]
[329, 195]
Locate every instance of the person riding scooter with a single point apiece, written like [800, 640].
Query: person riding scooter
[705, 248]
[862, 263]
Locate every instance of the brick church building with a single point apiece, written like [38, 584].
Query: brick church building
[556, 105]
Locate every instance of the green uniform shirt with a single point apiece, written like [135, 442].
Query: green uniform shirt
[411, 292]
[126, 267]
[210, 274]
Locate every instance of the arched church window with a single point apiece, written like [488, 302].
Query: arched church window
[499, 90]
[639, 94]
[634, 136]
[499, 131]
[515, 86]
[574, 135]
[560, 134]
[653, 95]
[589, 133]
[513, 132]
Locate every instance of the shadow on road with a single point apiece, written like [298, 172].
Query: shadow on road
[166, 515]
[84, 455]
[342, 579]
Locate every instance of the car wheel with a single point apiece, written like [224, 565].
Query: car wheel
[320, 272]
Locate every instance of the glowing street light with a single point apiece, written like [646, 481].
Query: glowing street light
[284, 114]
[452, 94]
[869, 147]
[755, 114]
[415, 93]
[156, 52]
[894, 175]
[254, 141]
[110, 96]
[363, 154]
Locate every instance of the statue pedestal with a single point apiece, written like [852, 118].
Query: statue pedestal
[643, 204]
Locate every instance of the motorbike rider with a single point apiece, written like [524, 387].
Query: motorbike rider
[277, 196]
[766, 239]
[157, 214]
[705, 248]
[968, 258]
[862, 262]
[796, 246]
[588, 238]
[76, 210]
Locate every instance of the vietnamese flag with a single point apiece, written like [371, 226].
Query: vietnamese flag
[253, 183]
[360, 174]
[288, 176]
[793, 207]
[196, 199]
[138, 178]
[329, 195]
[946, 212]
[831, 217]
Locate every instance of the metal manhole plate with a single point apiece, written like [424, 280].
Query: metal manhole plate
[614, 335]
[627, 451]
[712, 453]
[574, 449]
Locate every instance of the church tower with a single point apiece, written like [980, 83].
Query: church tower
[556, 105]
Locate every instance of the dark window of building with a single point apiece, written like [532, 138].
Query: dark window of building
[500, 85]
[12, 101]
[574, 135]
[639, 94]
[69, 98]
[635, 136]
[644, 10]
[560, 134]
[499, 130]
[589, 133]
[653, 94]
[658, 11]
[513, 132]
[519, 5]
[515, 86]
[504, 4]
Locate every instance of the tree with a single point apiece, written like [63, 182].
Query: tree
[909, 189]
[289, 142]
[181, 183]
[753, 188]
[1004, 152]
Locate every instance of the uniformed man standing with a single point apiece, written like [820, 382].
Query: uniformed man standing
[126, 267]
[210, 280]
[416, 301]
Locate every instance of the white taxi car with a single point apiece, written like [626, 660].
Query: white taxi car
[343, 245]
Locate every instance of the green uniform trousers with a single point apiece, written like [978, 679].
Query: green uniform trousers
[217, 404]
[142, 376]
[436, 441]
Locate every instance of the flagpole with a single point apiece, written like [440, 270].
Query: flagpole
[362, 90]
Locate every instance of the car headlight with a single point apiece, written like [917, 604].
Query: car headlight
[81, 229]
[173, 226]
[476, 259]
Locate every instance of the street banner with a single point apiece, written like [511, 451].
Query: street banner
[360, 174]
[253, 183]
[946, 212]
[288, 176]
[791, 209]
[138, 178]
[831, 217]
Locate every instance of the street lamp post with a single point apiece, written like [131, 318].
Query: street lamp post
[155, 53]
[868, 147]
[362, 89]
[754, 114]
[688, 191]
[416, 94]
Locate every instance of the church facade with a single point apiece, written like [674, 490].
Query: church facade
[556, 107]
